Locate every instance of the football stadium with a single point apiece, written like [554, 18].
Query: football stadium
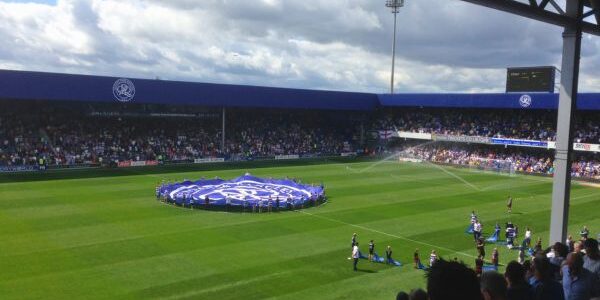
[118, 187]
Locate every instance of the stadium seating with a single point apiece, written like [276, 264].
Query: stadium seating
[523, 124]
[64, 137]
[71, 135]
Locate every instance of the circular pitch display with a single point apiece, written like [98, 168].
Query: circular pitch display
[244, 190]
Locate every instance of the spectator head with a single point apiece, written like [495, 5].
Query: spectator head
[591, 248]
[402, 296]
[493, 286]
[515, 274]
[541, 267]
[575, 263]
[578, 247]
[560, 249]
[452, 280]
[418, 294]
[528, 269]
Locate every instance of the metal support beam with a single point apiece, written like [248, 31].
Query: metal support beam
[223, 133]
[540, 14]
[561, 189]
[533, 3]
[595, 5]
[589, 13]
[557, 7]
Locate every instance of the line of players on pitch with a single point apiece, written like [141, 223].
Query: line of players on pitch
[373, 257]
[511, 235]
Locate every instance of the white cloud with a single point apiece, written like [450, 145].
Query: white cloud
[443, 46]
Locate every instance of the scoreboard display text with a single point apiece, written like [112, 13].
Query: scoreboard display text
[530, 79]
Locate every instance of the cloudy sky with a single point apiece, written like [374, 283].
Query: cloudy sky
[443, 45]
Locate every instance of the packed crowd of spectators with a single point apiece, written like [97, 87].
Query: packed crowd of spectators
[586, 168]
[485, 157]
[501, 159]
[70, 135]
[521, 124]
[65, 138]
[60, 140]
[282, 134]
[561, 272]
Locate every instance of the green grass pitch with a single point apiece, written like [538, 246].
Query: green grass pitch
[108, 238]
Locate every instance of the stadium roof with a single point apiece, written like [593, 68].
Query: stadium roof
[585, 101]
[24, 85]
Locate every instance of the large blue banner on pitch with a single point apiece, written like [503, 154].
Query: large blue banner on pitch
[246, 189]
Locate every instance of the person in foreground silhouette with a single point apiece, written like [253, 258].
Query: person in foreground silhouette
[452, 280]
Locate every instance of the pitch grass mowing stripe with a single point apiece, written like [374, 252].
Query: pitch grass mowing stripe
[145, 248]
[153, 246]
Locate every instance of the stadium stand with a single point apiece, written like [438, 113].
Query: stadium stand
[67, 135]
[520, 124]
[536, 127]
[530, 161]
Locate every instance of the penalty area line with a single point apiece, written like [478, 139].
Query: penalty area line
[388, 234]
[454, 175]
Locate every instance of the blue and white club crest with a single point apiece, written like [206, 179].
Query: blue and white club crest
[241, 190]
[525, 101]
[244, 190]
[123, 90]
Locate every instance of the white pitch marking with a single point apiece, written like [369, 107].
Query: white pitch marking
[455, 176]
[226, 285]
[585, 196]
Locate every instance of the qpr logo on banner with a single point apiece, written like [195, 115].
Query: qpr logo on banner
[243, 190]
[525, 101]
[123, 90]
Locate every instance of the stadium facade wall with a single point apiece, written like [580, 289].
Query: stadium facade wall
[25, 85]
[586, 101]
